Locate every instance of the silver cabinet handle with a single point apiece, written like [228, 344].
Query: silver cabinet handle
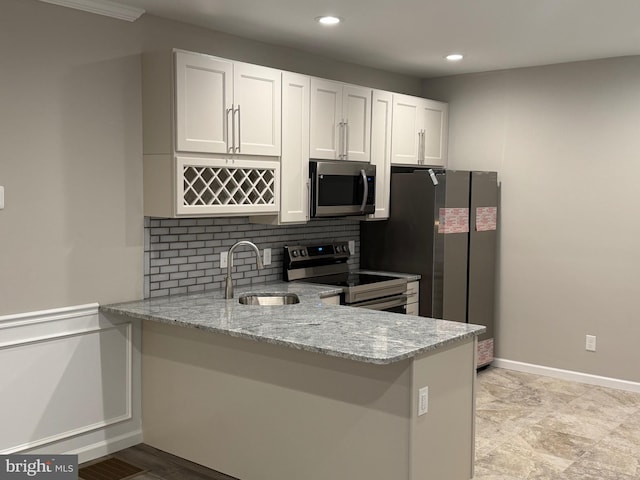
[365, 193]
[239, 131]
[233, 129]
[340, 139]
[229, 111]
[346, 140]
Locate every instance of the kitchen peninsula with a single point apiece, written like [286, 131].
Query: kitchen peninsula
[305, 391]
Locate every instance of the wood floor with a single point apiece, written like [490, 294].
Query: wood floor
[160, 465]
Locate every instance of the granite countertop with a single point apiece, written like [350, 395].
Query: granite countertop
[354, 333]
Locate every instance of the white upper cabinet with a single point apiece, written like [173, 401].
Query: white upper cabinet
[294, 198]
[340, 121]
[294, 172]
[257, 101]
[382, 106]
[226, 107]
[420, 131]
[203, 95]
[211, 136]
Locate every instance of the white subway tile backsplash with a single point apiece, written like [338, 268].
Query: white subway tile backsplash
[184, 254]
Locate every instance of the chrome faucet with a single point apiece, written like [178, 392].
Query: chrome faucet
[228, 285]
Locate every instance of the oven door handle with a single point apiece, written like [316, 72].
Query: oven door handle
[383, 303]
[365, 193]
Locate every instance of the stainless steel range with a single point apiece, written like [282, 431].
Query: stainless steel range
[326, 264]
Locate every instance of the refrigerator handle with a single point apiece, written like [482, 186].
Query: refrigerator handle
[432, 174]
[365, 193]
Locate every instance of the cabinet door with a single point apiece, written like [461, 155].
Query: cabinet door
[326, 116]
[257, 115]
[203, 95]
[356, 112]
[435, 125]
[406, 130]
[382, 106]
[294, 180]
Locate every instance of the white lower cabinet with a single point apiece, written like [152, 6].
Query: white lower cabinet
[413, 298]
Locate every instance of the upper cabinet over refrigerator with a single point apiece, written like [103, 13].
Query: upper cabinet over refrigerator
[226, 107]
[420, 131]
[340, 121]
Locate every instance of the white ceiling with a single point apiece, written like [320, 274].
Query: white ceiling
[412, 36]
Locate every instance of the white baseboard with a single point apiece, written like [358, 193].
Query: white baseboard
[567, 375]
[106, 447]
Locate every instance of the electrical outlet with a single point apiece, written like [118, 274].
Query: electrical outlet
[223, 259]
[266, 257]
[1, 198]
[352, 247]
[423, 400]
[591, 343]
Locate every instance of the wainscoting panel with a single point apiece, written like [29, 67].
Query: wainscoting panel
[63, 373]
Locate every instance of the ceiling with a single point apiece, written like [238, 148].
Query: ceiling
[413, 36]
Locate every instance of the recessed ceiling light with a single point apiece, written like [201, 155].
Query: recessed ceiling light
[454, 57]
[328, 20]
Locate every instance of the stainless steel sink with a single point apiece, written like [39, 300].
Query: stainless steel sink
[269, 299]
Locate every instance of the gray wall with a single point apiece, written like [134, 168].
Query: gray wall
[71, 136]
[565, 141]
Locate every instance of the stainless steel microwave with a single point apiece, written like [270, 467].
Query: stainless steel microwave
[341, 188]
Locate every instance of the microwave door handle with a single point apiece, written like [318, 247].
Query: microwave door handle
[365, 193]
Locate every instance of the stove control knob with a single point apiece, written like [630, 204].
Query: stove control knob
[303, 253]
[294, 253]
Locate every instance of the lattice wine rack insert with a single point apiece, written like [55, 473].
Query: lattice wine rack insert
[211, 186]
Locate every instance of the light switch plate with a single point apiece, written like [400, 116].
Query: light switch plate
[1, 198]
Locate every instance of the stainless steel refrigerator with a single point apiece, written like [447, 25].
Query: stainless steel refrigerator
[442, 225]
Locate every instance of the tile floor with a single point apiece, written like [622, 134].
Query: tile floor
[530, 427]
